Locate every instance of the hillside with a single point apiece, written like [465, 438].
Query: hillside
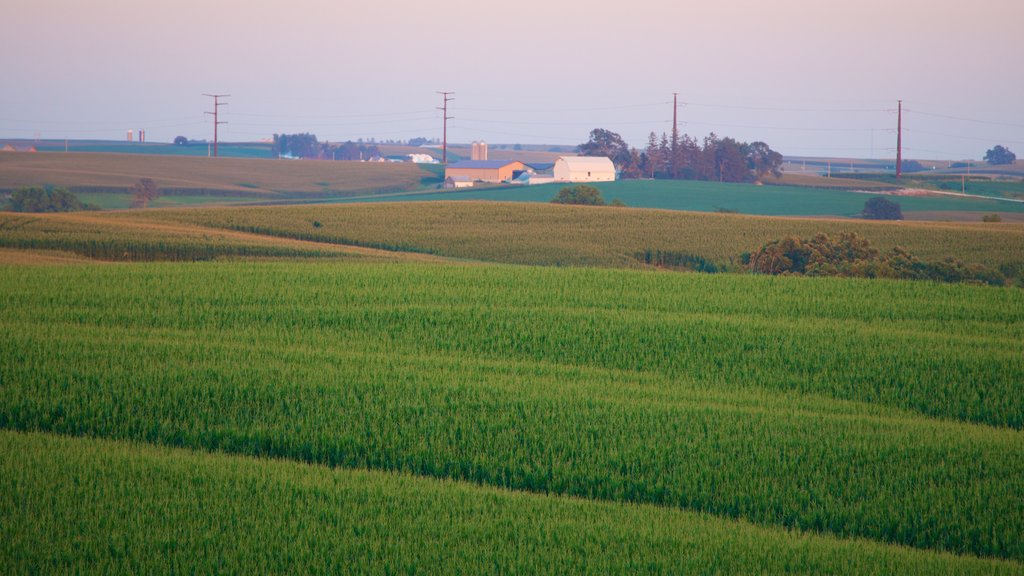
[549, 234]
[690, 195]
[227, 177]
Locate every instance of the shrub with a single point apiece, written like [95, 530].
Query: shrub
[580, 194]
[879, 208]
[36, 199]
[991, 218]
[851, 255]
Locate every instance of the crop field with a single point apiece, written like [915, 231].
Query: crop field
[188, 176]
[698, 196]
[99, 237]
[814, 420]
[547, 234]
[353, 388]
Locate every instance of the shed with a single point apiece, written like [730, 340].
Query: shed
[584, 169]
[458, 182]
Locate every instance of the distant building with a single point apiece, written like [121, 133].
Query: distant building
[422, 159]
[13, 148]
[584, 169]
[453, 182]
[486, 170]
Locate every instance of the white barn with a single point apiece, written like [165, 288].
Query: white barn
[584, 169]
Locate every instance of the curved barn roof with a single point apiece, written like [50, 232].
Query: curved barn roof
[591, 163]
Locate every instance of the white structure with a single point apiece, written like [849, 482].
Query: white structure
[453, 182]
[422, 159]
[584, 169]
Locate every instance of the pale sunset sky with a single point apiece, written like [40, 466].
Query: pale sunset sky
[809, 77]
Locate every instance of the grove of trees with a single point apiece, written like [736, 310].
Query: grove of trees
[715, 158]
[306, 146]
[1000, 155]
[37, 199]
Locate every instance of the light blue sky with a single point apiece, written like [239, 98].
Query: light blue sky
[806, 76]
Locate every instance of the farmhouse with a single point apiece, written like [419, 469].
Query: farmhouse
[584, 169]
[485, 170]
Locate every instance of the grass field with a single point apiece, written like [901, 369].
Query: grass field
[348, 388]
[207, 177]
[714, 196]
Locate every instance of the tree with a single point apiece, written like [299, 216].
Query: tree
[1000, 155]
[580, 194]
[607, 143]
[180, 141]
[296, 145]
[36, 199]
[879, 208]
[144, 192]
[762, 160]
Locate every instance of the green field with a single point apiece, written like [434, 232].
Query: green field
[195, 513]
[400, 388]
[714, 196]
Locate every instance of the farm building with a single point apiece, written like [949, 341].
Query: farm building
[584, 169]
[485, 170]
[452, 182]
[12, 148]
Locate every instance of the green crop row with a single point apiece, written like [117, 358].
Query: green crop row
[88, 506]
[551, 381]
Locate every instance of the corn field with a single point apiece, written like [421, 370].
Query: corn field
[816, 421]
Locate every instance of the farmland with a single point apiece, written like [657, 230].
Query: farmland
[352, 388]
[214, 178]
[546, 234]
[774, 200]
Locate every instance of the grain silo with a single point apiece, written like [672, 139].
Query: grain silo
[479, 151]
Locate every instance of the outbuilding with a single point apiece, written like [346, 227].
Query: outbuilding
[584, 169]
[485, 170]
[453, 182]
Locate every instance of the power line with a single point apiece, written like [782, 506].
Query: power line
[962, 119]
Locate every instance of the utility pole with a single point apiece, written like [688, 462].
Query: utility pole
[899, 140]
[444, 111]
[675, 135]
[216, 108]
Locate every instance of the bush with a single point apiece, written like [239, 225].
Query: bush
[991, 218]
[580, 194]
[36, 199]
[879, 208]
[851, 255]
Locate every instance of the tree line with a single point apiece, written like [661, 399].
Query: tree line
[684, 158]
[306, 146]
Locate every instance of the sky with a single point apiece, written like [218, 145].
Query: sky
[809, 77]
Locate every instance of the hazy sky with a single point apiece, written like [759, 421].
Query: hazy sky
[806, 76]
